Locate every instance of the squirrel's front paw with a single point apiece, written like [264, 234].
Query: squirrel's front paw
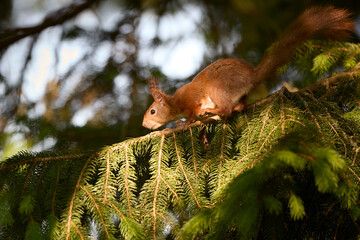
[182, 125]
[179, 122]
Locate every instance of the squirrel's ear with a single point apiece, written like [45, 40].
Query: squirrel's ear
[158, 95]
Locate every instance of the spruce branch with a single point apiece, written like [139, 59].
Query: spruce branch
[97, 209]
[71, 204]
[158, 179]
[182, 169]
[193, 151]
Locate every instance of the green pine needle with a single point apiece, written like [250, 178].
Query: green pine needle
[27, 205]
[33, 231]
[291, 159]
[273, 205]
[322, 64]
[325, 178]
[197, 224]
[130, 229]
[297, 209]
[6, 218]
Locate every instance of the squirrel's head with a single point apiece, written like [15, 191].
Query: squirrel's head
[158, 113]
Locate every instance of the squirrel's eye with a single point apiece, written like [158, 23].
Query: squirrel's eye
[152, 111]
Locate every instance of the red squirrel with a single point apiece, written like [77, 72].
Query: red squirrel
[222, 86]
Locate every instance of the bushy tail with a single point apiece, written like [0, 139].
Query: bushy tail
[326, 23]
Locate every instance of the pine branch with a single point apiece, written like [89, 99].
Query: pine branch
[185, 174]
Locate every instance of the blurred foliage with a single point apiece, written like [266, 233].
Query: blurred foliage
[114, 91]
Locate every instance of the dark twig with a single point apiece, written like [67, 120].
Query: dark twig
[9, 36]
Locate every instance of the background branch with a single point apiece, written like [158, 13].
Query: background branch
[9, 36]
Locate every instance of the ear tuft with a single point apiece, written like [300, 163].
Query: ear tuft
[158, 95]
[153, 85]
